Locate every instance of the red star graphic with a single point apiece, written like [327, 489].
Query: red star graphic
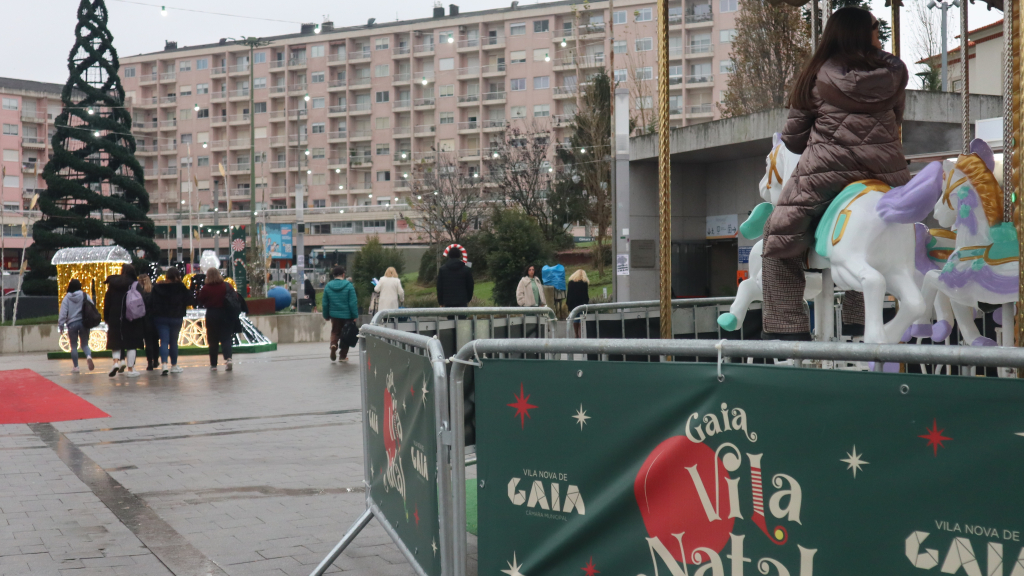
[368, 366]
[589, 568]
[935, 437]
[416, 515]
[412, 390]
[522, 406]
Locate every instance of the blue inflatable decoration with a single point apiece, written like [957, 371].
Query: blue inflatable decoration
[282, 297]
[554, 276]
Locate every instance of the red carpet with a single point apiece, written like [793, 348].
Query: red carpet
[27, 397]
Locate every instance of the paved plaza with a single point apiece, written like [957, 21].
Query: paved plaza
[258, 471]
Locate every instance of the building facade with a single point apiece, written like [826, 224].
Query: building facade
[27, 114]
[349, 117]
[985, 61]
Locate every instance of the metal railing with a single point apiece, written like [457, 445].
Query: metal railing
[698, 17]
[478, 322]
[643, 309]
[700, 78]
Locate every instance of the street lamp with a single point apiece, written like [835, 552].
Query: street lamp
[944, 6]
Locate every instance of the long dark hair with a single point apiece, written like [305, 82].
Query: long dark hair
[847, 40]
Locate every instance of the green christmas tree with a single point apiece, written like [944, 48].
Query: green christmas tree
[95, 186]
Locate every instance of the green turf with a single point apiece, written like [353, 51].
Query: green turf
[33, 321]
[471, 506]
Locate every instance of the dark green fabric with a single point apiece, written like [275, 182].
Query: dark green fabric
[339, 300]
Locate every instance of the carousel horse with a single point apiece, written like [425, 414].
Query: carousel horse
[984, 266]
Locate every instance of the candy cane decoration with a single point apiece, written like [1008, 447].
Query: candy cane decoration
[780, 535]
[465, 255]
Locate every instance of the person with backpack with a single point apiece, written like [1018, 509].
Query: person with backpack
[124, 312]
[223, 306]
[149, 335]
[340, 307]
[70, 319]
[169, 301]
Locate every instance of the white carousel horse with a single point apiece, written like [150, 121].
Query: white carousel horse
[984, 267]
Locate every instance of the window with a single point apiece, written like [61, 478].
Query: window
[446, 38]
[620, 75]
[259, 57]
[316, 51]
[645, 73]
[319, 179]
[541, 82]
[675, 71]
[318, 128]
[446, 64]
[10, 129]
[186, 91]
[258, 83]
[725, 66]
[518, 56]
[518, 84]
[643, 15]
[319, 102]
[646, 102]
[381, 43]
[728, 5]
[384, 176]
[447, 118]
[518, 112]
[383, 149]
[726, 36]
[202, 88]
[644, 44]
[315, 77]
[10, 103]
[383, 96]
[382, 123]
[129, 72]
[541, 110]
[185, 114]
[382, 70]
[517, 29]
[184, 66]
[317, 153]
[540, 26]
[620, 47]
[186, 138]
[203, 161]
[446, 90]
[203, 113]
[11, 181]
[540, 54]
[619, 17]
[10, 155]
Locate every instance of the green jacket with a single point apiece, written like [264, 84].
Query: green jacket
[340, 300]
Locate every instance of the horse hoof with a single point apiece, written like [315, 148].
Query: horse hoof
[728, 322]
[941, 330]
[982, 341]
[921, 331]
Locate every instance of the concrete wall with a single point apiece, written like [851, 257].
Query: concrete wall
[24, 339]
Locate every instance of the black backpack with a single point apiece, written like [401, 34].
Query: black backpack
[90, 315]
[232, 302]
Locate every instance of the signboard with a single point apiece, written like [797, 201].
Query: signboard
[278, 240]
[622, 264]
[658, 468]
[744, 254]
[718, 227]
[402, 459]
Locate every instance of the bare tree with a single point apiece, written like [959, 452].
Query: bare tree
[926, 36]
[520, 166]
[447, 201]
[643, 117]
[771, 44]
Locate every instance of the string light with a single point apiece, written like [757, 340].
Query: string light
[205, 144]
[196, 107]
[316, 29]
[370, 194]
[341, 187]
[89, 111]
[337, 170]
[306, 98]
[424, 81]
[563, 42]
[96, 134]
[307, 151]
[342, 211]
[309, 171]
[163, 10]
[451, 39]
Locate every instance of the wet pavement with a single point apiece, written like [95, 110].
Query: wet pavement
[251, 472]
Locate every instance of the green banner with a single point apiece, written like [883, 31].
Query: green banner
[620, 468]
[399, 426]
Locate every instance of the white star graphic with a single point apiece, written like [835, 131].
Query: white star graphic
[423, 397]
[374, 371]
[581, 417]
[854, 461]
[403, 405]
[513, 567]
[1019, 433]
[433, 546]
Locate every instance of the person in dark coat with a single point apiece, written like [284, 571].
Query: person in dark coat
[124, 336]
[169, 302]
[149, 335]
[454, 282]
[577, 293]
[846, 109]
[310, 292]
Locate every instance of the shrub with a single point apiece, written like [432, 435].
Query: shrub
[371, 262]
[516, 240]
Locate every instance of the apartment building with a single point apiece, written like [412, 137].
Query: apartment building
[27, 114]
[350, 115]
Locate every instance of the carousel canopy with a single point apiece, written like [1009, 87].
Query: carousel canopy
[91, 255]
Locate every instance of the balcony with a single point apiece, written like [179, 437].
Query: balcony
[424, 103]
[296, 89]
[360, 82]
[494, 125]
[700, 50]
[278, 165]
[360, 161]
[359, 56]
[339, 161]
[239, 143]
[401, 51]
[32, 116]
[675, 19]
[469, 100]
[471, 126]
[337, 110]
[218, 70]
[238, 69]
[238, 168]
[398, 131]
[277, 63]
[278, 91]
[425, 157]
[147, 78]
[219, 144]
[569, 62]
[361, 186]
[700, 80]
[493, 43]
[403, 157]
[297, 113]
[565, 91]
[562, 120]
[469, 154]
[169, 171]
[278, 192]
[297, 138]
[423, 49]
[675, 111]
[336, 84]
[425, 130]
[359, 108]
[278, 115]
[490, 70]
[218, 96]
[238, 119]
[146, 102]
[336, 136]
[675, 82]
[337, 58]
[592, 30]
[697, 19]
[401, 78]
[167, 124]
[468, 45]
[31, 166]
[494, 97]
[401, 104]
[146, 149]
[297, 62]
[700, 111]
[167, 77]
[467, 72]
[240, 192]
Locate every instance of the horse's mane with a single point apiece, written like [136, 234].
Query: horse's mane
[985, 184]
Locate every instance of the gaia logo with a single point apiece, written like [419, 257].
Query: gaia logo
[394, 476]
[691, 498]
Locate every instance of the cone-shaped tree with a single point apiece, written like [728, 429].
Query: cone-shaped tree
[95, 186]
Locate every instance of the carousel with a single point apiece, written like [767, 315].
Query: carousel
[91, 266]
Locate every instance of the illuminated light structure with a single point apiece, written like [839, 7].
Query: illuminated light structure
[91, 266]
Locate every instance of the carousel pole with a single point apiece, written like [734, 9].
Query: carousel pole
[1017, 145]
[1011, 103]
[664, 176]
[965, 80]
[896, 27]
[815, 24]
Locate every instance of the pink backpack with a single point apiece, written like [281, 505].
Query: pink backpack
[134, 305]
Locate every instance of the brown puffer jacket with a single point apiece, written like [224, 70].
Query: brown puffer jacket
[851, 134]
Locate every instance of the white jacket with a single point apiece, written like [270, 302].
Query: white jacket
[391, 293]
[524, 292]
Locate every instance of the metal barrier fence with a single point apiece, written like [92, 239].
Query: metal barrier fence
[689, 316]
[387, 490]
[456, 326]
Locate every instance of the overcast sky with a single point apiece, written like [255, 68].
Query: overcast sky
[38, 35]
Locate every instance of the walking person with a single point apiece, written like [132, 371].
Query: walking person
[169, 302]
[149, 335]
[70, 319]
[577, 293]
[530, 291]
[845, 113]
[310, 292]
[124, 335]
[340, 306]
[220, 320]
[392, 296]
[454, 282]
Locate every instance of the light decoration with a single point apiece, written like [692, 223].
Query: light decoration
[90, 265]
